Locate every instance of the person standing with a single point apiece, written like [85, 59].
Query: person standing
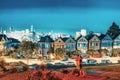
[79, 62]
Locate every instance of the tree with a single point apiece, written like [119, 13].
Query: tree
[116, 52]
[27, 48]
[73, 54]
[90, 52]
[59, 52]
[104, 52]
[113, 30]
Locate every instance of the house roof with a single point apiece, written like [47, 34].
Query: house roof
[65, 39]
[46, 39]
[14, 40]
[114, 36]
[3, 36]
[90, 36]
[101, 36]
[80, 37]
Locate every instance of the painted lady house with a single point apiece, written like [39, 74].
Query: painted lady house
[45, 44]
[116, 41]
[66, 43]
[106, 42]
[59, 43]
[3, 41]
[93, 42]
[70, 43]
[82, 44]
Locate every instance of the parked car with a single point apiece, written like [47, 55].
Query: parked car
[32, 67]
[89, 61]
[118, 61]
[49, 62]
[20, 56]
[64, 60]
[70, 63]
[59, 63]
[20, 68]
[105, 61]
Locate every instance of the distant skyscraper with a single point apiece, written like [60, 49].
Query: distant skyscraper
[78, 34]
[4, 32]
[83, 32]
[31, 28]
[27, 31]
[11, 29]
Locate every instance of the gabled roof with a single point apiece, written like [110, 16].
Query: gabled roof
[101, 36]
[65, 39]
[80, 37]
[3, 36]
[14, 40]
[46, 39]
[90, 36]
[59, 39]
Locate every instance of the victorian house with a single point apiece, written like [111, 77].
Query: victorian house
[3, 40]
[116, 41]
[45, 44]
[82, 44]
[70, 43]
[94, 42]
[106, 42]
[59, 43]
[66, 43]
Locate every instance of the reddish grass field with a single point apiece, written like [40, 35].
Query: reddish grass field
[64, 74]
[52, 75]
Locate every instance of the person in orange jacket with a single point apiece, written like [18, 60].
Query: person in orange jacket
[80, 65]
[79, 62]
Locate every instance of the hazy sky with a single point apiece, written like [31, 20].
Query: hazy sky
[66, 16]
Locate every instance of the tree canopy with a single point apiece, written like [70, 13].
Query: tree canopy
[27, 47]
[113, 29]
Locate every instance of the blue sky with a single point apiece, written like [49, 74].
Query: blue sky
[66, 16]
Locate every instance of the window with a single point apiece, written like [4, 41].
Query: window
[78, 44]
[59, 41]
[108, 44]
[43, 45]
[91, 44]
[72, 45]
[47, 45]
[62, 46]
[96, 44]
[84, 45]
[82, 40]
[57, 45]
[67, 46]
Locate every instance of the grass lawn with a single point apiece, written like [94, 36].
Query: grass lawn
[106, 68]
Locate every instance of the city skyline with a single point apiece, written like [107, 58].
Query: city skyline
[61, 16]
